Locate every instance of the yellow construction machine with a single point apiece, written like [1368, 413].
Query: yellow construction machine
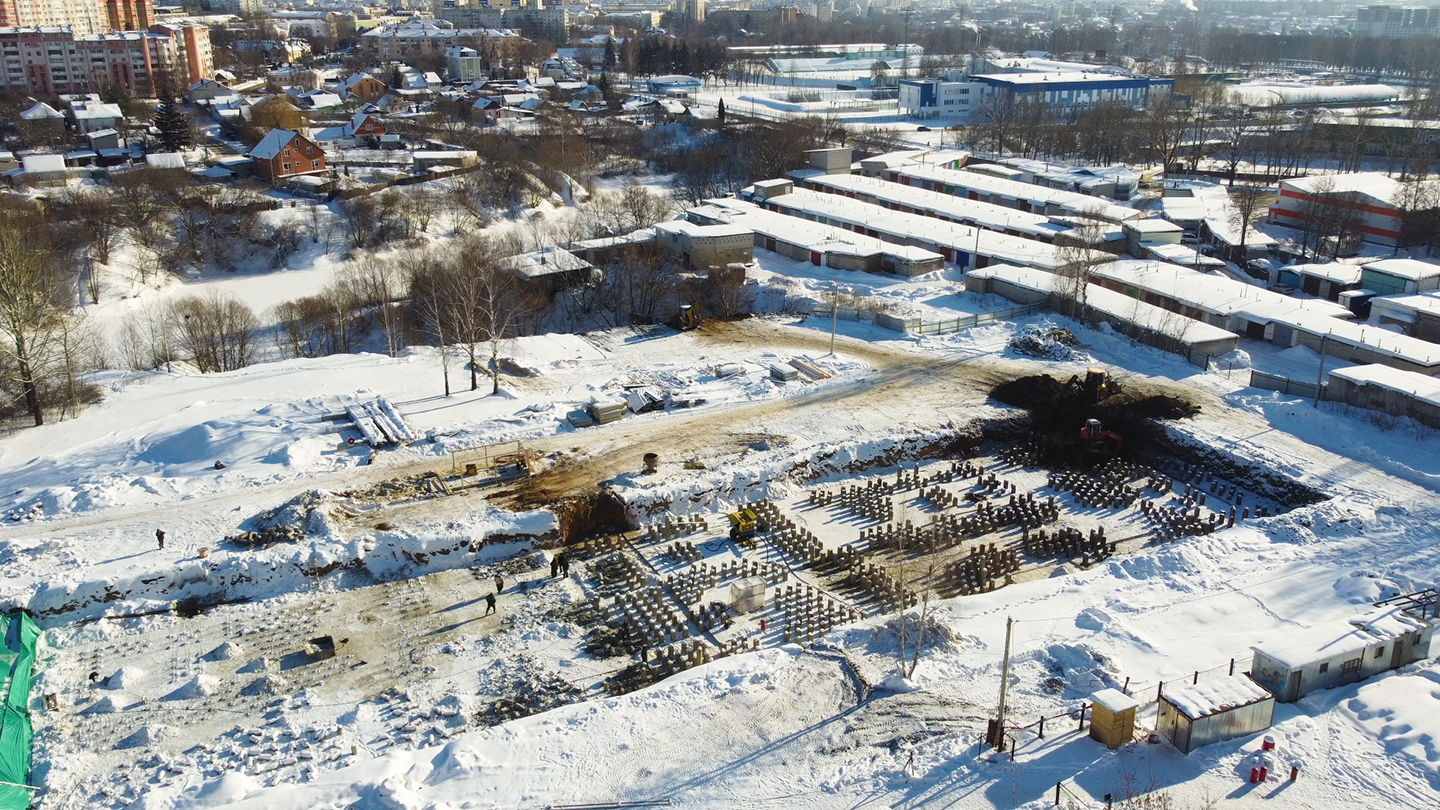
[745, 524]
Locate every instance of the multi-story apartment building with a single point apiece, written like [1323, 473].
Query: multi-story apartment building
[48, 61]
[1397, 21]
[85, 16]
[405, 41]
[129, 15]
[533, 21]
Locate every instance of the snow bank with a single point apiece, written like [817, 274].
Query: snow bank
[197, 687]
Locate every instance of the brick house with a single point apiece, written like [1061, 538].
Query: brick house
[283, 153]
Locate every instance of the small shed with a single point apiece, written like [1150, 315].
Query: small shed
[1112, 717]
[1341, 653]
[1209, 712]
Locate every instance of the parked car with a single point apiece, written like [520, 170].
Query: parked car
[1258, 269]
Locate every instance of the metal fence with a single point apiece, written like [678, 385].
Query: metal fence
[1149, 692]
[845, 313]
[1285, 385]
[1072, 797]
[916, 326]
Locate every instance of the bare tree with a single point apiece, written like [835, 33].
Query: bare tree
[1235, 141]
[1080, 255]
[1164, 127]
[94, 210]
[147, 338]
[725, 289]
[1419, 202]
[360, 217]
[216, 332]
[645, 279]
[431, 306]
[487, 304]
[35, 291]
[377, 285]
[1247, 201]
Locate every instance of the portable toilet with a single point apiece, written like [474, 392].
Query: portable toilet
[1112, 717]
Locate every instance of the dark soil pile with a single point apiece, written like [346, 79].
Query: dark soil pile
[1058, 412]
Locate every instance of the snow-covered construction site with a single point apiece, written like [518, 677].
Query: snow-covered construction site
[1026, 564]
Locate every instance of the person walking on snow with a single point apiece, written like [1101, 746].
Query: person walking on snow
[489, 603]
[555, 566]
[160, 538]
[499, 583]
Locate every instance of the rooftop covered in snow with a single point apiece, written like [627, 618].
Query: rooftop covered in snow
[1215, 696]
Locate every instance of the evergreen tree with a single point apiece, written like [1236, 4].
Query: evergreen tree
[610, 54]
[720, 113]
[176, 132]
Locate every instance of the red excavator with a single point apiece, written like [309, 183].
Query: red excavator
[1098, 441]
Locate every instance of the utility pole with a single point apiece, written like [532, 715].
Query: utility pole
[834, 313]
[1004, 684]
[1321, 376]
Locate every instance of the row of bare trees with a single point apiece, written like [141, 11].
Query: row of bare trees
[214, 333]
[174, 224]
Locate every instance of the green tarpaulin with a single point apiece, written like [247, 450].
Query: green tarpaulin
[17, 661]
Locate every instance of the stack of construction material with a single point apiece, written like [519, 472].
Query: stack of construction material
[809, 368]
[783, 372]
[379, 422]
[606, 411]
[644, 400]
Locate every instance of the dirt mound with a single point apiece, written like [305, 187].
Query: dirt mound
[1028, 392]
[1058, 411]
[303, 515]
[1161, 406]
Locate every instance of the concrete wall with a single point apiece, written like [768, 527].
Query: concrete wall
[721, 250]
[1386, 400]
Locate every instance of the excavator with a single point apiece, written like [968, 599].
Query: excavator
[1097, 385]
[1100, 443]
[687, 318]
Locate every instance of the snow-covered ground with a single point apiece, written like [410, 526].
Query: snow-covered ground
[221, 709]
[782, 727]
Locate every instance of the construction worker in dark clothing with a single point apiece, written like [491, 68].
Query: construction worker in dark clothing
[489, 603]
[555, 566]
[160, 538]
[565, 565]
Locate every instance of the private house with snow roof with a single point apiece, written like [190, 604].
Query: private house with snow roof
[283, 153]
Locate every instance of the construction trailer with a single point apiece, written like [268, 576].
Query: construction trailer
[1340, 653]
[1222, 709]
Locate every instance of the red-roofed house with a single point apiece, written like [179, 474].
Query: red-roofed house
[366, 126]
[283, 153]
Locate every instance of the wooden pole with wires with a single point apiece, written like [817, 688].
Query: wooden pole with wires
[1004, 685]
